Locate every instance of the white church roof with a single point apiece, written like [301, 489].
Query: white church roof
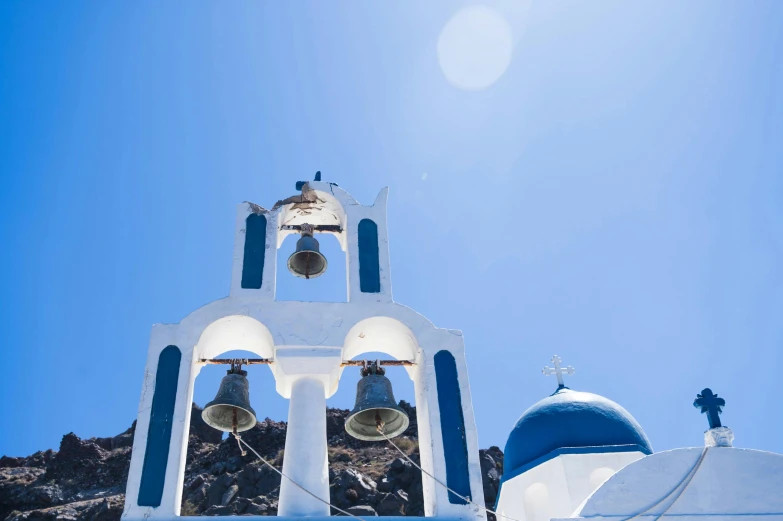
[679, 483]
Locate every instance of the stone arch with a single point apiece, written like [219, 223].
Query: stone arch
[235, 333]
[381, 334]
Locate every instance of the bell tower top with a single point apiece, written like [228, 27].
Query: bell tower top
[319, 207]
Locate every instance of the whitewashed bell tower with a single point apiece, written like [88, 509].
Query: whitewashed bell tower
[307, 345]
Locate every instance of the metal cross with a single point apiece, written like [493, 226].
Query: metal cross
[558, 371]
[712, 405]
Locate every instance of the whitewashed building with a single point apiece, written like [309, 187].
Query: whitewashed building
[572, 455]
[577, 455]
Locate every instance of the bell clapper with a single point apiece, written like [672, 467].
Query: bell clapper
[236, 367]
[307, 230]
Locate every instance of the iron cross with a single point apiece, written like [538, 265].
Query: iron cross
[558, 371]
[712, 405]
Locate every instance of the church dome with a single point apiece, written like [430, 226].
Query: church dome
[571, 420]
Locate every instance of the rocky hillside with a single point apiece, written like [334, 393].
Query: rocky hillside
[85, 479]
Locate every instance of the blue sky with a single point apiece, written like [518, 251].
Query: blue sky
[615, 197]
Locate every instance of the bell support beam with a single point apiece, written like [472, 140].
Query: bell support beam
[244, 361]
[267, 361]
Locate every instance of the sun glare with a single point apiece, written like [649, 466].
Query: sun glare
[474, 48]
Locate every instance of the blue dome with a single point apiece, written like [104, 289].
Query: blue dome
[571, 419]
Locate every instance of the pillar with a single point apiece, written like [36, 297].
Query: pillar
[305, 458]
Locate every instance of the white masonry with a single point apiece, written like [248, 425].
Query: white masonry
[307, 342]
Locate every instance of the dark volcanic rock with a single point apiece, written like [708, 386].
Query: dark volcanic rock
[85, 479]
[117, 442]
[75, 458]
[490, 475]
[105, 509]
[8, 462]
[256, 479]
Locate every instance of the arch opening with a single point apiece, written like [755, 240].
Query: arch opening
[371, 339]
[330, 286]
[218, 480]
[383, 335]
[384, 474]
[232, 333]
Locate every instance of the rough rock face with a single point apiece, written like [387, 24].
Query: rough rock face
[85, 479]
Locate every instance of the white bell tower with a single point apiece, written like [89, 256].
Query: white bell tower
[307, 345]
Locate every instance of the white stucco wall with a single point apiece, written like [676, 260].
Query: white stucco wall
[558, 486]
[730, 484]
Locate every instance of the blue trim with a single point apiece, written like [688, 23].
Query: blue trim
[452, 426]
[369, 257]
[156, 455]
[575, 450]
[568, 450]
[255, 245]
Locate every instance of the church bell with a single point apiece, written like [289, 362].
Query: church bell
[375, 406]
[230, 411]
[307, 261]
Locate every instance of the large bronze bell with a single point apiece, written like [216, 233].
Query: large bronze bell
[375, 406]
[230, 411]
[307, 261]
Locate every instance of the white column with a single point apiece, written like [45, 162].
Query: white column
[305, 458]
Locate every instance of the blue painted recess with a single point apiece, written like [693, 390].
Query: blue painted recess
[570, 419]
[255, 245]
[369, 261]
[156, 455]
[452, 426]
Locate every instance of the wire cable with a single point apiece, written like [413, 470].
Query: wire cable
[439, 481]
[682, 485]
[240, 440]
[686, 480]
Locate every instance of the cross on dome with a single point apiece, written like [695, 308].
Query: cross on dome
[709, 403]
[558, 371]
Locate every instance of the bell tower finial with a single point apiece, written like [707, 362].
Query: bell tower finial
[558, 371]
[709, 403]
[717, 435]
